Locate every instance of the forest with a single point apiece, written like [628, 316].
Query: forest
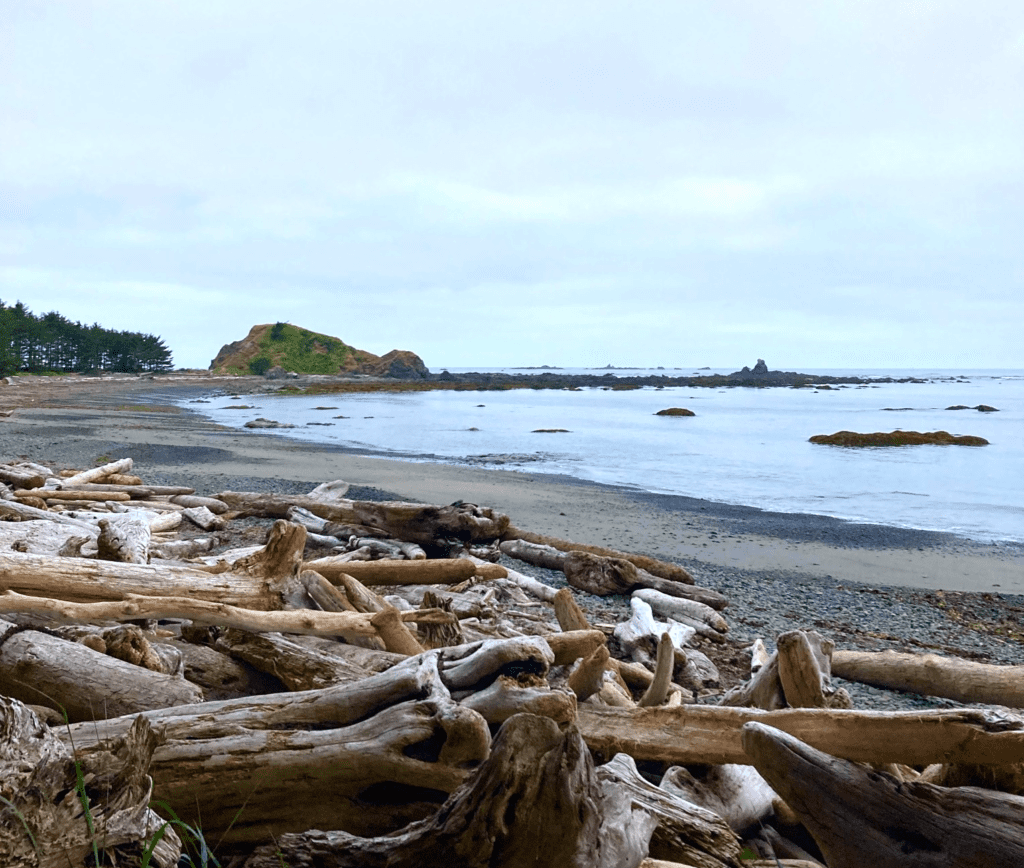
[52, 343]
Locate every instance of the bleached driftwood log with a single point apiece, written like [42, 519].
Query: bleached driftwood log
[685, 832]
[40, 669]
[330, 492]
[860, 817]
[123, 465]
[262, 580]
[685, 611]
[22, 475]
[539, 555]
[709, 734]
[408, 572]
[933, 675]
[217, 507]
[42, 817]
[736, 793]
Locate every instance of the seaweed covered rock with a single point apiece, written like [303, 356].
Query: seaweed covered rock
[897, 438]
[675, 411]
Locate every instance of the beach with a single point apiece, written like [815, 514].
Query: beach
[866, 585]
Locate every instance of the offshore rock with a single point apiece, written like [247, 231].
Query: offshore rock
[675, 411]
[897, 438]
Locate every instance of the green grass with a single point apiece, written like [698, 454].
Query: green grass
[299, 350]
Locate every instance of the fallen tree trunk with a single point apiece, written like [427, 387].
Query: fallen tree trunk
[45, 788]
[704, 734]
[40, 669]
[860, 817]
[932, 675]
[124, 465]
[413, 522]
[437, 571]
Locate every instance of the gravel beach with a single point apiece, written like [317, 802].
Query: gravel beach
[867, 587]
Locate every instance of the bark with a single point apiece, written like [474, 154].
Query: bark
[654, 566]
[860, 817]
[413, 522]
[534, 802]
[708, 734]
[42, 816]
[932, 675]
[85, 684]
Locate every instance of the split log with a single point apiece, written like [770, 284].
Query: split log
[413, 522]
[860, 817]
[42, 787]
[932, 675]
[736, 793]
[124, 539]
[534, 802]
[685, 832]
[654, 566]
[41, 669]
[710, 734]
[97, 473]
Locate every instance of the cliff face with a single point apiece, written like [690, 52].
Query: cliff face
[305, 352]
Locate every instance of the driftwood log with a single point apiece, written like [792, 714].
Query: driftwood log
[861, 817]
[703, 734]
[932, 675]
[45, 787]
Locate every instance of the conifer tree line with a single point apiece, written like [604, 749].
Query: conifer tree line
[51, 342]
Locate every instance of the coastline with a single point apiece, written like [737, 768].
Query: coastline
[75, 424]
[869, 587]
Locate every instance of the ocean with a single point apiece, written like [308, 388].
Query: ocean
[744, 446]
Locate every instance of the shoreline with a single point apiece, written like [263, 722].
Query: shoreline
[135, 417]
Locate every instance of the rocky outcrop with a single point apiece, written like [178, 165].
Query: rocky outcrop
[283, 350]
[896, 438]
[675, 411]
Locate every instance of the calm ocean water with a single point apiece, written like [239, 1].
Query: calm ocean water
[744, 446]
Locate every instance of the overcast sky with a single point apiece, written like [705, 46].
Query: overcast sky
[820, 184]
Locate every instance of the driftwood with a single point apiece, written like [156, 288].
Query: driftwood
[83, 683]
[534, 802]
[412, 522]
[798, 675]
[125, 539]
[123, 465]
[736, 793]
[539, 555]
[406, 572]
[932, 675]
[25, 475]
[859, 817]
[45, 786]
[702, 734]
[654, 566]
[696, 614]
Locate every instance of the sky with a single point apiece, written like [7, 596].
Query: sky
[676, 183]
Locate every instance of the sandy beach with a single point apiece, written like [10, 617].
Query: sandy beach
[74, 421]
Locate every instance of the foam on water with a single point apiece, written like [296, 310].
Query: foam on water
[744, 446]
